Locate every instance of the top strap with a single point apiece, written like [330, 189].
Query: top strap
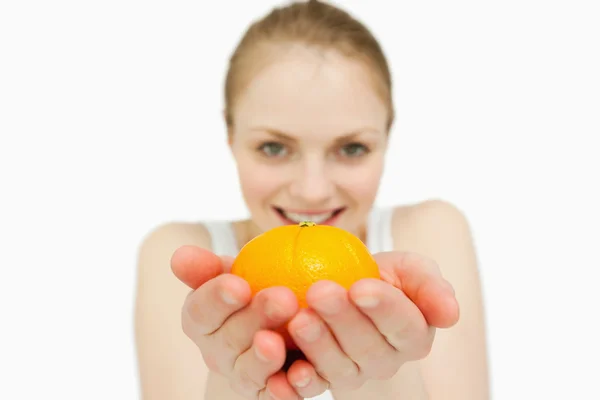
[223, 238]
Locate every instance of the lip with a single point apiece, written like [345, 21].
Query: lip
[308, 212]
[330, 221]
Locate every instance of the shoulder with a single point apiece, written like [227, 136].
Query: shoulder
[157, 247]
[165, 238]
[439, 230]
[173, 233]
[433, 214]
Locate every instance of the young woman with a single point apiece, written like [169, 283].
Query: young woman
[308, 114]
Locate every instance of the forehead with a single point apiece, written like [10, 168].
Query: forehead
[307, 90]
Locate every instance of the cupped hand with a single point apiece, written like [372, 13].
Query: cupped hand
[371, 330]
[235, 331]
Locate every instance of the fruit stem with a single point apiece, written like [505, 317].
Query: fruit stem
[306, 223]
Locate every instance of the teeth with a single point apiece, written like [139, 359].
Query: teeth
[316, 218]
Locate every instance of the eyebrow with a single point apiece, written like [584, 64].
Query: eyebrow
[289, 138]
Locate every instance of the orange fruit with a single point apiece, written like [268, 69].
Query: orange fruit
[296, 256]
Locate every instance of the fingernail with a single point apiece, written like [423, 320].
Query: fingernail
[309, 332]
[302, 383]
[367, 301]
[227, 297]
[450, 287]
[260, 355]
[274, 311]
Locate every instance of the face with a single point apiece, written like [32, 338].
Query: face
[309, 138]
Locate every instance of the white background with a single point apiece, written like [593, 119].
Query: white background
[110, 123]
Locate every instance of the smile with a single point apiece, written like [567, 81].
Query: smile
[326, 217]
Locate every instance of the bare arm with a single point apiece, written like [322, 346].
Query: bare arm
[457, 367]
[170, 365]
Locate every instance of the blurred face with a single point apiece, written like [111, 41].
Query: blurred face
[309, 139]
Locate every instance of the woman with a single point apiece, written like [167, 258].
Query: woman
[308, 113]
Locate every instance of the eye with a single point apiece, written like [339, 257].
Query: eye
[354, 150]
[272, 149]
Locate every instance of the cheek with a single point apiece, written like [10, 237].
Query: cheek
[362, 182]
[254, 183]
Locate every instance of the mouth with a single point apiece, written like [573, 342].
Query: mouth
[325, 217]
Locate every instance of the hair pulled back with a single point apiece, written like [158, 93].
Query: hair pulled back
[312, 23]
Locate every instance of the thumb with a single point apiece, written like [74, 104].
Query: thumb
[420, 279]
[227, 263]
[194, 265]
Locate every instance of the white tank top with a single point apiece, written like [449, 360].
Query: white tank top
[379, 239]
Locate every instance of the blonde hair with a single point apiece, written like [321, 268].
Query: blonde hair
[313, 23]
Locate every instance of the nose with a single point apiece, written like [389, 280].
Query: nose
[312, 185]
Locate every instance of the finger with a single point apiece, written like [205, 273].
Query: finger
[322, 350]
[227, 263]
[420, 279]
[278, 388]
[253, 367]
[356, 334]
[395, 316]
[305, 380]
[194, 265]
[209, 306]
[271, 308]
